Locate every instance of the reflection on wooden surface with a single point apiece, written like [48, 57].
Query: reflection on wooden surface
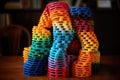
[11, 68]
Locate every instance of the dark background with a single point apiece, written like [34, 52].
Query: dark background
[107, 28]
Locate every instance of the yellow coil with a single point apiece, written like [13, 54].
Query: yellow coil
[89, 41]
[40, 31]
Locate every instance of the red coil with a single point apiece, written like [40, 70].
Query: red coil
[82, 25]
[57, 6]
[74, 47]
[54, 73]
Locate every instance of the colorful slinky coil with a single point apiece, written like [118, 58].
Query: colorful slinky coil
[82, 67]
[52, 53]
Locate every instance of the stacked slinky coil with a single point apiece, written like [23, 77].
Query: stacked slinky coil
[82, 67]
[56, 59]
[62, 36]
[37, 61]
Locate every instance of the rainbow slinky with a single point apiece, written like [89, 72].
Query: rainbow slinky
[52, 54]
[82, 67]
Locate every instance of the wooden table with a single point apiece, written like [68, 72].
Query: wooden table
[11, 68]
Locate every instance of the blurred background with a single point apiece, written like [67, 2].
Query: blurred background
[26, 14]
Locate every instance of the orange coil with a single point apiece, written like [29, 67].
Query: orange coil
[25, 53]
[86, 56]
[82, 67]
[81, 71]
[89, 41]
[60, 15]
[45, 20]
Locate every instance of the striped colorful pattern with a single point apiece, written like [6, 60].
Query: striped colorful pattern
[82, 67]
[62, 36]
[56, 59]
[39, 50]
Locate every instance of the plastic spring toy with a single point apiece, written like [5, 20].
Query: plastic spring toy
[82, 67]
[62, 36]
[57, 57]
[39, 50]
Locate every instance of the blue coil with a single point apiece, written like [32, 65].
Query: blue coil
[35, 67]
[80, 11]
